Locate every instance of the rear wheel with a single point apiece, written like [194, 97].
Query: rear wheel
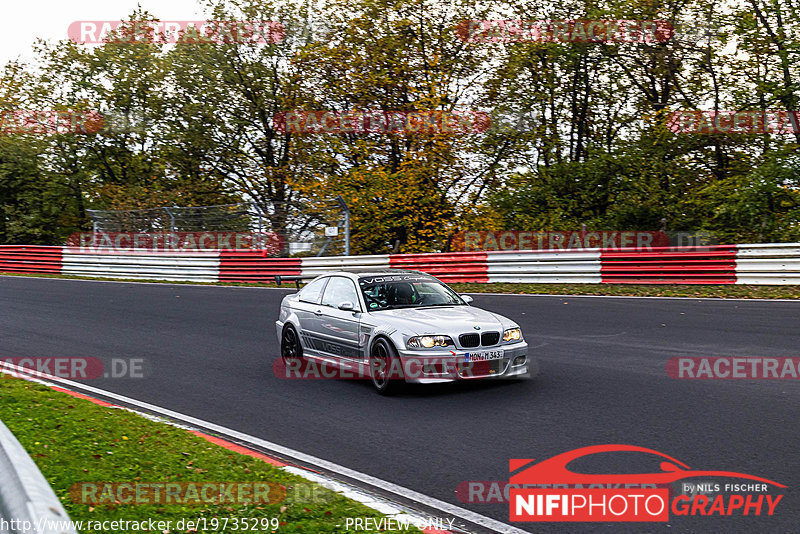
[385, 368]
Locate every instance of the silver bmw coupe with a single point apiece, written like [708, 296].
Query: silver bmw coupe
[394, 327]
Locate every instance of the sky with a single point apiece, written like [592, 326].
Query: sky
[25, 20]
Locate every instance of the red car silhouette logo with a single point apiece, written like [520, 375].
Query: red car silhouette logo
[554, 470]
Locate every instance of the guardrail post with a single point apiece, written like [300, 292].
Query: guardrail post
[346, 210]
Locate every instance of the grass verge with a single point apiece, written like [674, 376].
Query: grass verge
[622, 290]
[73, 441]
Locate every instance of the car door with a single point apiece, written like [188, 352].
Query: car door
[307, 308]
[338, 329]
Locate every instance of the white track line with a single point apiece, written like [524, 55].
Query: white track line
[411, 495]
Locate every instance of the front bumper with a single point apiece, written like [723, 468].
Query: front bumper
[437, 366]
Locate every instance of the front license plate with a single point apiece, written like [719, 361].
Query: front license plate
[483, 356]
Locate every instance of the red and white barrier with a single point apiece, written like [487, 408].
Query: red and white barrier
[198, 266]
[32, 259]
[772, 263]
[254, 266]
[714, 264]
[450, 267]
[546, 266]
[768, 264]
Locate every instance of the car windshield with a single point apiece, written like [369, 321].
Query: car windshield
[406, 291]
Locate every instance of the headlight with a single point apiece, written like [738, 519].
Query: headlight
[512, 334]
[427, 342]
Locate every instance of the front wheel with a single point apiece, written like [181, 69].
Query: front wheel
[291, 351]
[386, 370]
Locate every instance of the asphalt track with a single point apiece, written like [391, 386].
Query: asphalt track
[209, 350]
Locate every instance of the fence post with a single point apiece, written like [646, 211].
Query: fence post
[171, 222]
[346, 210]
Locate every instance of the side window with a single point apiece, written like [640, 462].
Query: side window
[312, 291]
[340, 290]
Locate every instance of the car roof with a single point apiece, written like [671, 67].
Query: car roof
[357, 273]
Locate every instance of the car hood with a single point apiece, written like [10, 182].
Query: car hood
[445, 320]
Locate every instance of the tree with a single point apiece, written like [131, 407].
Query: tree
[395, 56]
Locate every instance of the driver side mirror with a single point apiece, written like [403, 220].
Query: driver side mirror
[347, 306]
[466, 298]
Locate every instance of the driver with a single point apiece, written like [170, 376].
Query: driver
[403, 293]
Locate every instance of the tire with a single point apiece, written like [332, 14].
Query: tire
[384, 360]
[291, 350]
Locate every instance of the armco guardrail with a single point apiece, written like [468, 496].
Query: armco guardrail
[545, 266]
[33, 259]
[670, 265]
[254, 266]
[452, 267]
[25, 495]
[771, 263]
[768, 264]
[197, 266]
[317, 266]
